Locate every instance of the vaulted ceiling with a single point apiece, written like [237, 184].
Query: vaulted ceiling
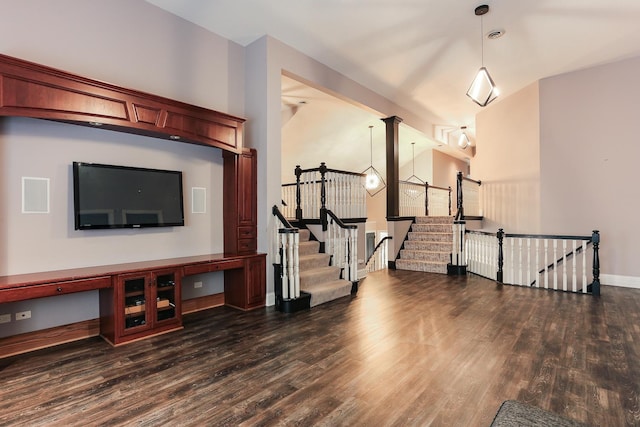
[423, 54]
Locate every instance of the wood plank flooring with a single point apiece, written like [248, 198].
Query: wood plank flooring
[411, 349]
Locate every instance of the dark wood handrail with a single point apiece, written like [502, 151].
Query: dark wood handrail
[377, 247]
[531, 236]
[561, 260]
[334, 171]
[425, 185]
[339, 221]
[276, 212]
[472, 180]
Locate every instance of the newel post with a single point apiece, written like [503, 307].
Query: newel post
[460, 214]
[499, 275]
[595, 285]
[449, 200]
[426, 199]
[323, 196]
[298, 172]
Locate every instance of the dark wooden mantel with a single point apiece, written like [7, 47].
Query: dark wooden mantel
[32, 90]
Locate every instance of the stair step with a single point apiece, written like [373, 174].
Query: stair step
[434, 220]
[433, 237]
[318, 275]
[438, 256]
[427, 245]
[309, 262]
[432, 228]
[327, 291]
[309, 247]
[424, 266]
[305, 234]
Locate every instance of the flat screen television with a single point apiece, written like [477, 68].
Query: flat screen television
[108, 196]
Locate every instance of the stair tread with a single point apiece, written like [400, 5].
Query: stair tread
[333, 284]
[314, 256]
[426, 251]
[422, 261]
[431, 232]
[319, 270]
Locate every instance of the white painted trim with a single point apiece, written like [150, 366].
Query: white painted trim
[622, 281]
[271, 299]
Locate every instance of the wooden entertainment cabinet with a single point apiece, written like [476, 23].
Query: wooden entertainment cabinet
[142, 298]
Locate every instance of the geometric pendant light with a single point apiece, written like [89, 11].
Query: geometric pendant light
[463, 140]
[411, 190]
[373, 180]
[482, 90]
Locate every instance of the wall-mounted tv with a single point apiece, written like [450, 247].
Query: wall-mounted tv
[108, 196]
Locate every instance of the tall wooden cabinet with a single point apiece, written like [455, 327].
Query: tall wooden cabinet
[240, 210]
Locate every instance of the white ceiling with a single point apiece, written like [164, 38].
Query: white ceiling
[423, 54]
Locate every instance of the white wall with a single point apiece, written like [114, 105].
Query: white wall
[131, 44]
[589, 155]
[507, 161]
[559, 157]
[266, 60]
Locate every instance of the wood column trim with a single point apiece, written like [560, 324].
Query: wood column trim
[393, 165]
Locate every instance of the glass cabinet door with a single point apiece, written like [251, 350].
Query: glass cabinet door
[135, 303]
[165, 297]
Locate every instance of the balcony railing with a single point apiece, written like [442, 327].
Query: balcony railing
[468, 198]
[424, 200]
[543, 261]
[343, 193]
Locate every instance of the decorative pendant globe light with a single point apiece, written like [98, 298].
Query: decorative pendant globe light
[411, 190]
[482, 90]
[373, 180]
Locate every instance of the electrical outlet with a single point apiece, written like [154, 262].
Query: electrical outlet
[197, 284]
[5, 318]
[23, 315]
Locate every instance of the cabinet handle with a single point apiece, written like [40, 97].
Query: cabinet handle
[59, 289]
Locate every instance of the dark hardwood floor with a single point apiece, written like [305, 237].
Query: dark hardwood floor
[411, 349]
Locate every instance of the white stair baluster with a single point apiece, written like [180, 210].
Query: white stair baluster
[564, 265]
[285, 270]
[528, 262]
[574, 286]
[584, 267]
[555, 264]
[296, 265]
[546, 264]
[538, 274]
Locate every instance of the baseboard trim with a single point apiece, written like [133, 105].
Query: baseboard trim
[36, 340]
[271, 299]
[621, 281]
[202, 303]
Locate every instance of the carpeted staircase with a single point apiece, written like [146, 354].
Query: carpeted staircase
[428, 245]
[317, 277]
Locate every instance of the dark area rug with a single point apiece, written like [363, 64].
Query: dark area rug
[518, 414]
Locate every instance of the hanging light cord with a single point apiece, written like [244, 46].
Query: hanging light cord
[371, 144]
[413, 158]
[482, 38]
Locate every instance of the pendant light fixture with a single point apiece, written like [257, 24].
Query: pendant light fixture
[411, 190]
[483, 90]
[463, 140]
[373, 180]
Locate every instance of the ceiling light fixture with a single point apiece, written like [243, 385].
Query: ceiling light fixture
[483, 90]
[411, 191]
[373, 180]
[463, 140]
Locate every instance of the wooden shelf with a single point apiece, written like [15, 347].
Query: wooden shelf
[32, 90]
